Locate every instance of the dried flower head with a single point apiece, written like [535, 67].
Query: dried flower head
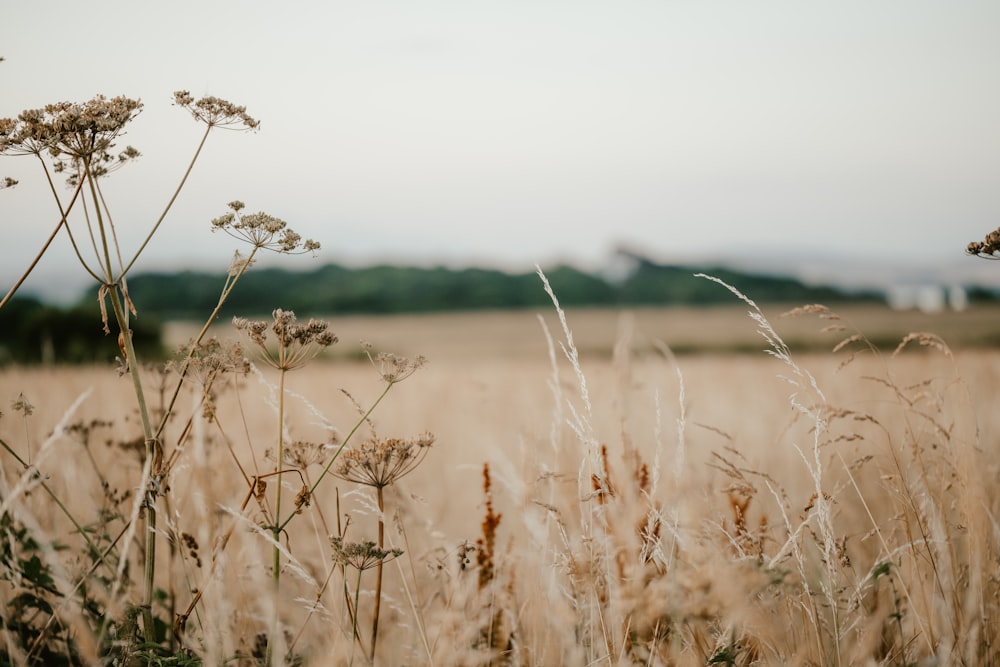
[7, 182]
[296, 343]
[392, 368]
[216, 112]
[301, 454]
[361, 555]
[69, 129]
[23, 405]
[262, 231]
[212, 358]
[239, 264]
[78, 136]
[378, 462]
[988, 248]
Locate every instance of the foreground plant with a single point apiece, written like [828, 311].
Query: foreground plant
[78, 141]
[296, 345]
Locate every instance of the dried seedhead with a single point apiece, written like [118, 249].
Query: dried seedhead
[296, 343]
[988, 248]
[486, 544]
[361, 555]
[23, 405]
[262, 231]
[216, 112]
[67, 129]
[302, 454]
[79, 137]
[392, 368]
[211, 359]
[378, 462]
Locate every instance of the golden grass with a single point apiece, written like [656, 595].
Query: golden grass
[515, 334]
[711, 508]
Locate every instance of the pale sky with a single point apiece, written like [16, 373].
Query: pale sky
[509, 133]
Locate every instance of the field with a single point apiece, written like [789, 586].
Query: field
[676, 495]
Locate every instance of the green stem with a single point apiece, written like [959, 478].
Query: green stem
[62, 507]
[153, 459]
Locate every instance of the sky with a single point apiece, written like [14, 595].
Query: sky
[521, 132]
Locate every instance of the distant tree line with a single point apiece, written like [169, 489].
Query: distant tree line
[32, 332]
[397, 289]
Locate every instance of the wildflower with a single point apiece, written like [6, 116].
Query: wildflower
[216, 112]
[392, 368]
[211, 359]
[78, 135]
[988, 248]
[378, 462]
[361, 555]
[297, 343]
[239, 264]
[22, 405]
[262, 230]
[301, 454]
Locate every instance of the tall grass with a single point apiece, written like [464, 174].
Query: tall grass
[221, 512]
[642, 510]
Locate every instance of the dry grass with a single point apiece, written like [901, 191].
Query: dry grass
[636, 509]
[515, 334]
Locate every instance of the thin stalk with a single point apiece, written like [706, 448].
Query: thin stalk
[276, 530]
[152, 454]
[378, 572]
[62, 506]
[347, 439]
[48, 241]
[276, 565]
[227, 289]
[170, 203]
[357, 597]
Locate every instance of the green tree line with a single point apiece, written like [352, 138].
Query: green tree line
[382, 289]
[32, 332]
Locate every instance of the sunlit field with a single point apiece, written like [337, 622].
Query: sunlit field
[632, 505]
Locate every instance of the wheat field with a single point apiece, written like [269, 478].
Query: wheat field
[624, 506]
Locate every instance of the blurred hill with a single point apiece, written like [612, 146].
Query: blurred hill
[631, 280]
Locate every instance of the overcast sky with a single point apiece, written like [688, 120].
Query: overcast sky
[518, 132]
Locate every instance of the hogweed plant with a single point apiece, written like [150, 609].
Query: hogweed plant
[296, 345]
[379, 463]
[78, 141]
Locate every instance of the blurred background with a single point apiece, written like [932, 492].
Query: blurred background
[440, 150]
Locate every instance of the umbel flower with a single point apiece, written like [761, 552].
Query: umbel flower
[361, 555]
[988, 248]
[69, 129]
[392, 368]
[79, 135]
[216, 112]
[262, 231]
[296, 343]
[378, 462]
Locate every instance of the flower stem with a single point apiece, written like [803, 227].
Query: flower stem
[378, 571]
[152, 460]
[276, 565]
